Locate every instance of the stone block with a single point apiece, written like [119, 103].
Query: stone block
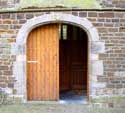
[106, 14]
[97, 68]
[98, 85]
[4, 67]
[92, 14]
[97, 47]
[29, 16]
[20, 16]
[94, 56]
[82, 14]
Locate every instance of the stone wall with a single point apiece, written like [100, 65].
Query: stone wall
[112, 4]
[111, 29]
[9, 4]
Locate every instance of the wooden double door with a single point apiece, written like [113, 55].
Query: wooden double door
[54, 65]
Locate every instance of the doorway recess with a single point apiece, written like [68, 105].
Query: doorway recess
[73, 60]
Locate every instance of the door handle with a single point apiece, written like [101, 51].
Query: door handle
[32, 62]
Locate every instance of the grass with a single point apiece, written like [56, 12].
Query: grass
[56, 108]
[87, 4]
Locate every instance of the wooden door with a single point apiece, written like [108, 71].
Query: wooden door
[43, 63]
[64, 67]
[78, 64]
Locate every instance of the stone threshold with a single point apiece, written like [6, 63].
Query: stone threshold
[84, 102]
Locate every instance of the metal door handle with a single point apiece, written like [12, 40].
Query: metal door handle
[32, 61]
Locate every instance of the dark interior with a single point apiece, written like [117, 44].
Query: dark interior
[73, 62]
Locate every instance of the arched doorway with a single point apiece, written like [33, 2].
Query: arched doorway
[73, 60]
[57, 63]
[95, 46]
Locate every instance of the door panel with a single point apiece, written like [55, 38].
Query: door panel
[64, 67]
[43, 63]
[78, 65]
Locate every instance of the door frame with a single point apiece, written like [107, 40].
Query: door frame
[95, 46]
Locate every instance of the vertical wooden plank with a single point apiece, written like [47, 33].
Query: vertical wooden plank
[41, 63]
[57, 57]
[45, 61]
[30, 67]
[29, 54]
[38, 65]
[54, 65]
[33, 65]
[50, 67]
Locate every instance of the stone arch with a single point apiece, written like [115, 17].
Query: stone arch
[95, 47]
[56, 18]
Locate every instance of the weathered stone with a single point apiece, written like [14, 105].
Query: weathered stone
[110, 86]
[3, 67]
[7, 73]
[7, 21]
[102, 79]
[92, 14]
[4, 26]
[29, 16]
[102, 30]
[5, 16]
[113, 29]
[97, 67]
[98, 47]
[74, 13]
[115, 20]
[22, 21]
[106, 47]
[119, 86]
[83, 14]
[115, 81]
[10, 85]
[20, 16]
[3, 85]
[123, 81]
[106, 14]
[8, 90]
[98, 85]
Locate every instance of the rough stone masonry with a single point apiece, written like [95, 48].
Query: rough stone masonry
[109, 23]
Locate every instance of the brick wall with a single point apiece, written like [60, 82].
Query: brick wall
[111, 28]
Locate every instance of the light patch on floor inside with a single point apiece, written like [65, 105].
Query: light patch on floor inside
[71, 97]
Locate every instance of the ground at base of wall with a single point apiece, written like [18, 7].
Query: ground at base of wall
[109, 102]
[102, 102]
[56, 108]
